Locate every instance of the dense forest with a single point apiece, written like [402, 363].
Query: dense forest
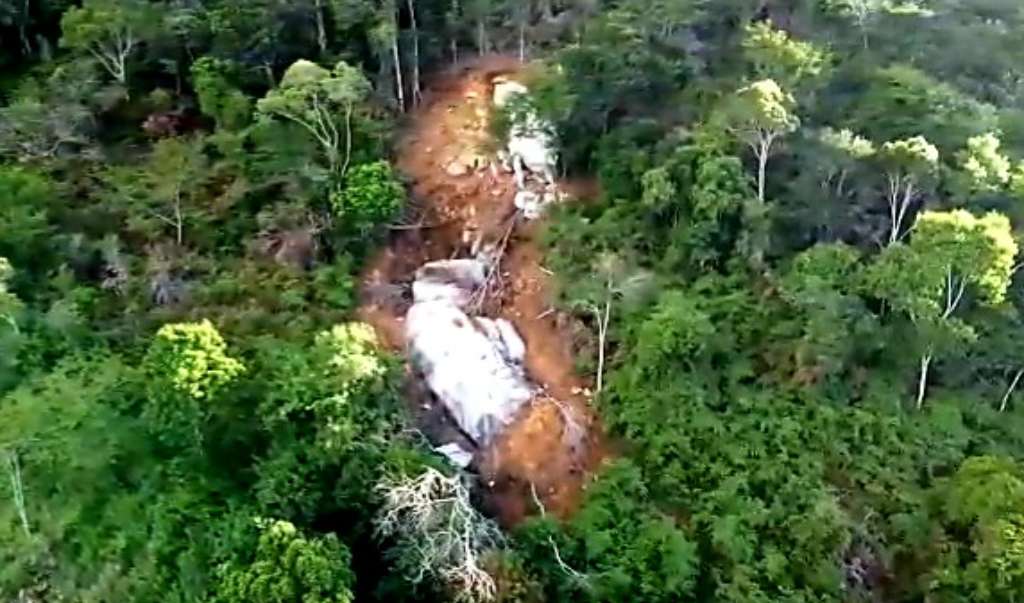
[787, 270]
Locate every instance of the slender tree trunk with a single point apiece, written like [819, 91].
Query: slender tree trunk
[348, 140]
[764, 148]
[922, 382]
[1010, 390]
[481, 36]
[179, 225]
[17, 489]
[26, 44]
[396, 56]
[954, 293]
[321, 29]
[603, 318]
[456, 13]
[417, 93]
[901, 194]
[522, 41]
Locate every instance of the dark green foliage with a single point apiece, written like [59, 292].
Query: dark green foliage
[217, 97]
[900, 101]
[617, 547]
[26, 240]
[761, 356]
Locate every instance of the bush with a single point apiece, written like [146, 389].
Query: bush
[371, 196]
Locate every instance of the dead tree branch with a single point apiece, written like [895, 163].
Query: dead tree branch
[440, 531]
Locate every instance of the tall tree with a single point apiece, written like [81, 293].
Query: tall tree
[322, 102]
[111, 31]
[164, 191]
[906, 163]
[417, 92]
[949, 254]
[983, 167]
[760, 114]
[776, 56]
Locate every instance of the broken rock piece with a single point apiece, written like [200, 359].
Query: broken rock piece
[455, 454]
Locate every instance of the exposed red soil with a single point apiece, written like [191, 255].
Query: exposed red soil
[533, 457]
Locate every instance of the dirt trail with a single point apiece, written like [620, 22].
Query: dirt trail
[457, 197]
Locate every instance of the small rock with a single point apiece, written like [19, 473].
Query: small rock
[456, 169]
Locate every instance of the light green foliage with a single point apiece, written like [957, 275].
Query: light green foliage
[986, 168]
[333, 407]
[371, 196]
[676, 328]
[997, 572]
[776, 56]
[110, 31]
[765, 107]
[218, 98]
[289, 567]
[846, 141]
[980, 250]
[658, 188]
[982, 500]
[911, 155]
[351, 352]
[9, 304]
[192, 359]
[322, 102]
[948, 252]
[983, 488]
[760, 114]
[907, 163]
[10, 332]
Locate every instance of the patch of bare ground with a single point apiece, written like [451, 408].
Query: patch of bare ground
[459, 199]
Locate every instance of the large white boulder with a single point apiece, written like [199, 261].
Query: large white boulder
[473, 365]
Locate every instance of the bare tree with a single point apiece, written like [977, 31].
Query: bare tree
[321, 29]
[417, 92]
[617, 283]
[439, 532]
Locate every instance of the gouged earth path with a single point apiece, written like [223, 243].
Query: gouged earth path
[550, 451]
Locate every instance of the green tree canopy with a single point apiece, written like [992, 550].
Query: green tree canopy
[289, 567]
[110, 31]
[322, 102]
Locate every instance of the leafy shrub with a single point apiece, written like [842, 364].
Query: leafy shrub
[371, 196]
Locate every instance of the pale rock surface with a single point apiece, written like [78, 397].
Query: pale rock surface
[473, 365]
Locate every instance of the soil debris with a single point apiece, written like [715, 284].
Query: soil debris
[467, 197]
